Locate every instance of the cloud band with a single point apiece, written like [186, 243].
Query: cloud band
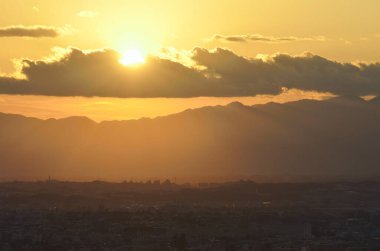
[219, 73]
[29, 31]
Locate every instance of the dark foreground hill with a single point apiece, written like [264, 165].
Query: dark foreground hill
[339, 137]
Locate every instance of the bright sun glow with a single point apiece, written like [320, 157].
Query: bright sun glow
[132, 57]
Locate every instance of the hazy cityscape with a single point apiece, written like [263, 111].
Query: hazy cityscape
[154, 215]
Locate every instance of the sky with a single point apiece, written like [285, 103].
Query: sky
[122, 59]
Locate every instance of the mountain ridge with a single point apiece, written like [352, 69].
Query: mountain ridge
[236, 104]
[300, 138]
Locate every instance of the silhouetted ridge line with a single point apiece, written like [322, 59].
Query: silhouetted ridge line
[306, 138]
[375, 100]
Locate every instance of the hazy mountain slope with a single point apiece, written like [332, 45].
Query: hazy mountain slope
[375, 100]
[337, 137]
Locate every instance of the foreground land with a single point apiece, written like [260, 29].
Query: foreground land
[243, 215]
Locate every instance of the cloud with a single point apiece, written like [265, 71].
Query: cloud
[218, 73]
[307, 72]
[30, 31]
[87, 13]
[261, 38]
[99, 73]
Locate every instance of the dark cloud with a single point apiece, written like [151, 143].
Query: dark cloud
[308, 72]
[262, 38]
[99, 73]
[29, 31]
[218, 73]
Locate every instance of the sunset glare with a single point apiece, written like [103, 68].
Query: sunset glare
[132, 58]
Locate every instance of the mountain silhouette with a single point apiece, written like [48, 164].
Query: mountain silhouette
[375, 100]
[334, 138]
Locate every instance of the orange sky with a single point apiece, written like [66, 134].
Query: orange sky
[345, 31]
[100, 109]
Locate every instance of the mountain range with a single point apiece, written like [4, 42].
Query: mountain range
[339, 137]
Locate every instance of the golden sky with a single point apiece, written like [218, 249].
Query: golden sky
[100, 109]
[346, 31]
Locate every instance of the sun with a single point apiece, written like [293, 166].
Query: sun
[132, 57]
